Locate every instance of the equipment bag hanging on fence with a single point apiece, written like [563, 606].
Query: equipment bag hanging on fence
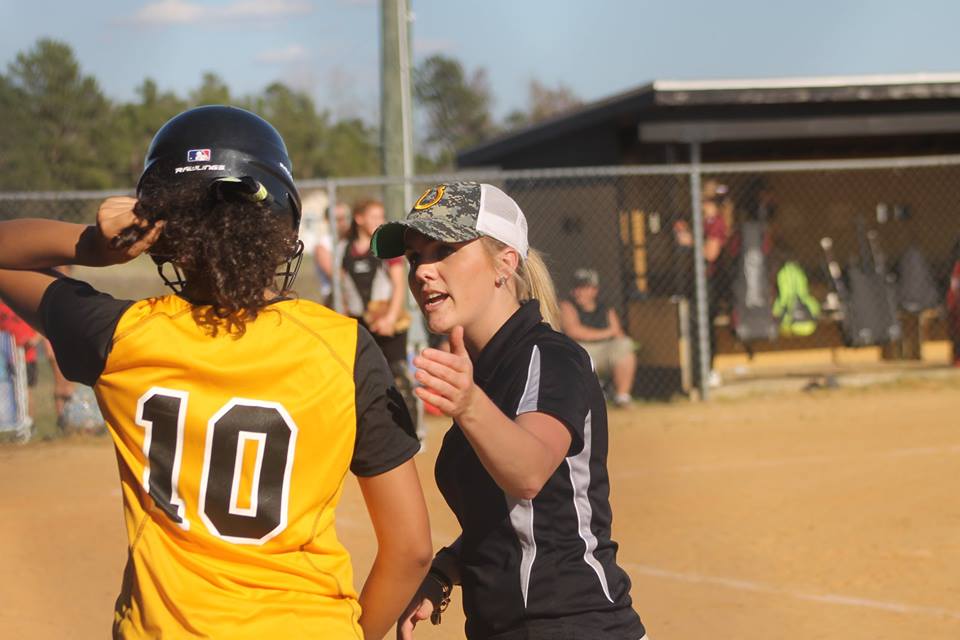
[795, 308]
[867, 299]
[752, 300]
[915, 286]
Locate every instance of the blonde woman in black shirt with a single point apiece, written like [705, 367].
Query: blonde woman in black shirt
[523, 466]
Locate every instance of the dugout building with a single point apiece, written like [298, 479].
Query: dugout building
[621, 224]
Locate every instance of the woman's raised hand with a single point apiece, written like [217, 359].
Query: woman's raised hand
[447, 378]
[121, 236]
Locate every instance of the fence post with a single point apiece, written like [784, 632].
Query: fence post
[700, 274]
[335, 281]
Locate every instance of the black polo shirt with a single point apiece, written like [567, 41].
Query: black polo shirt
[546, 566]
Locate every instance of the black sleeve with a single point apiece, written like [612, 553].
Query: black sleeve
[79, 321]
[556, 384]
[386, 436]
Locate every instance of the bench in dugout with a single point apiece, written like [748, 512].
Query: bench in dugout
[661, 327]
[14, 415]
[917, 328]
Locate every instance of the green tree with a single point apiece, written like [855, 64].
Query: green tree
[317, 147]
[295, 116]
[456, 106]
[543, 103]
[141, 120]
[56, 131]
[212, 90]
[353, 148]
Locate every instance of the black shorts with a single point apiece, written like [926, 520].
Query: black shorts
[394, 347]
[558, 631]
[32, 374]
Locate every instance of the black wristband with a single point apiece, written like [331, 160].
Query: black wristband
[442, 578]
[446, 588]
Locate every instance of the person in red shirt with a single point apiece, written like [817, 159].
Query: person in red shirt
[27, 339]
[953, 308]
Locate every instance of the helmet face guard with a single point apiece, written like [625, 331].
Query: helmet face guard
[286, 272]
[237, 155]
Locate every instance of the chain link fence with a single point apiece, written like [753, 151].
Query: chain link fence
[704, 261]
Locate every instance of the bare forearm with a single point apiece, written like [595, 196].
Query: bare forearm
[570, 322]
[386, 593]
[615, 328]
[517, 460]
[711, 249]
[589, 334]
[40, 244]
[23, 290]
[324, 260]
[399, 290]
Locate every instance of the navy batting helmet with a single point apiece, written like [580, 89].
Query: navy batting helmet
[231, 149]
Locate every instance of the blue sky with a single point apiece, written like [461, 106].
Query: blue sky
[597, 47]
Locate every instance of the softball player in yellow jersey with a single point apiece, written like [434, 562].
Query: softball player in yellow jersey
[236, 409]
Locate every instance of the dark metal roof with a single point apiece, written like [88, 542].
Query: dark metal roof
[673, 96]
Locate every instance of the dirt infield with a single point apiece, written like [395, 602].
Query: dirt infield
[824, 515]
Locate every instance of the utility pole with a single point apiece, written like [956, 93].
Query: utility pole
[396, 130]
[396, 135]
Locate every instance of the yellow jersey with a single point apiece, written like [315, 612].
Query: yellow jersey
[232, 454]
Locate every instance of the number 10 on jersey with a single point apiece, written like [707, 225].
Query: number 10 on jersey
[239, 425]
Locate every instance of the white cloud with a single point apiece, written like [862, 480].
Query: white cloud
[292, 53]
[357, 3]
[266, 9]
[170, 12]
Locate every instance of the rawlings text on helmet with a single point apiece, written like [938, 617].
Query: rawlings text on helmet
[200, 167]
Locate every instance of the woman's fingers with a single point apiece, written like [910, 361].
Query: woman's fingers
[440, 370]
[435, 384]
[457, 345]
[423, 611]
[411, 617]
[460, 363]
[121, 228]
[147, 240]
[438, 401]
[116, 214]
[405, 629]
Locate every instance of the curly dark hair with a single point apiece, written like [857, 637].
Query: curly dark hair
[227, 248]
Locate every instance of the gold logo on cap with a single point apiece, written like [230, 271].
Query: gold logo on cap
[429, 198]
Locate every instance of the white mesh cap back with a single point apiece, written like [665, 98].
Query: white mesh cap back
[501, 218]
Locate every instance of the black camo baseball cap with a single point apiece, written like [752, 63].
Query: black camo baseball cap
[457, 212]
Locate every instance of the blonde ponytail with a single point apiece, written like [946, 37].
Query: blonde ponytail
[536, 284]
[532, 281]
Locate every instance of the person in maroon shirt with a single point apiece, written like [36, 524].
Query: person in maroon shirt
[953, 307]
[717, 218]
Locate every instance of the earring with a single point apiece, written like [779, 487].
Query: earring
[502, 280]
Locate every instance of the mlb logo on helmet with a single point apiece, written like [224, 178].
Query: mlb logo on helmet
[198, 155]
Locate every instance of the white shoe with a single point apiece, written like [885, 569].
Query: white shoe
[622, 400]
[714, 380]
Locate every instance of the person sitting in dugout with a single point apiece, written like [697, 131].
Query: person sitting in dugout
[596, 327]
